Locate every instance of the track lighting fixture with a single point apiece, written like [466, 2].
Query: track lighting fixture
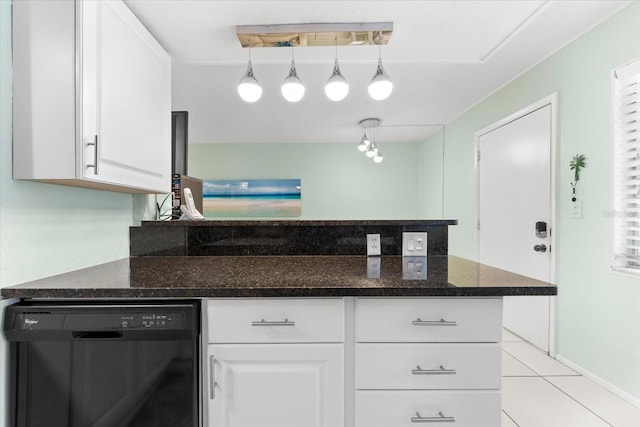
[316, 34]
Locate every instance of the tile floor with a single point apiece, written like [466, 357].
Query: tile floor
[538, 391]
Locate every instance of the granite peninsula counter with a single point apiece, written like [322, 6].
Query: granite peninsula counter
[277, 276]
[200, 259]
[306, 293]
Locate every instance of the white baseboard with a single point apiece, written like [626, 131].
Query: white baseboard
[635, 401]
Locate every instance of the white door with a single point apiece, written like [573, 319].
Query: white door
[276, 385]
[514, 204]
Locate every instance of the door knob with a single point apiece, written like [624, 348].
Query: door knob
[540, 248]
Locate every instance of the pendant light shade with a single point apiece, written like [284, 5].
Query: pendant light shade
[337, 87]
[364, 143]
[371, 151]
[378, 157]
[249, 89]
[292, 88]
[381, 85]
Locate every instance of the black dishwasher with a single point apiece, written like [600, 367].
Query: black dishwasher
[104, 364]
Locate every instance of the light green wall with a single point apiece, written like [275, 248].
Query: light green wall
[48, 229]
[431, 175]
[598, 312]
[338, 181]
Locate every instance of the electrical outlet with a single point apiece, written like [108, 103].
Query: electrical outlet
[576, 209]
[373, 245]
[414, 268]
[414, 244]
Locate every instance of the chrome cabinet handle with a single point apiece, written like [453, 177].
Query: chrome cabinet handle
[439, 419]
[441, 371]
[441, 322]
[285, 322]
[95, 155]
[212, 378]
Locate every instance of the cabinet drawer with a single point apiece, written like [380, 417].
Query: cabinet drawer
[407, 408]
[240, 320]
[428, 320]
[428, 366]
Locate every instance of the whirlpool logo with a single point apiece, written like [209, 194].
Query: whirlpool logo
[30, 322]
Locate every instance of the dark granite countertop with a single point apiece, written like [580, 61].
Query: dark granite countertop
[277, 276]
[306, 222]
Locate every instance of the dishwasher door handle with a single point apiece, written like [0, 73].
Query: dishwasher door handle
[97, 335]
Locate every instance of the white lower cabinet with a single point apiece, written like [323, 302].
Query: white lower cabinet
[428, 360]
[279, 385]
[275, 362]
[345, 362]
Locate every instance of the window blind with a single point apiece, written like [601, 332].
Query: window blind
[626, 167]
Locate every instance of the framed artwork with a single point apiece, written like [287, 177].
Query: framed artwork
[251, 198]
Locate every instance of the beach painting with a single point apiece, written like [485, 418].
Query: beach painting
[251, 198]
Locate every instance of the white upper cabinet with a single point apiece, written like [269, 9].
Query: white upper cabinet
[92, 97]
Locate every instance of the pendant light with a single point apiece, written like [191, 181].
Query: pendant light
[292, 88]
[378, 156]
[371, 151]
[248, 88]
[337, 87]
[364, 143]
[368, 144]
[381, 85]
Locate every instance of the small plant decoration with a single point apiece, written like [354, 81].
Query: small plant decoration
[577, 163]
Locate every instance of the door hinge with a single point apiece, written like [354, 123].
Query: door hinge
[478, 225]
[478, 159]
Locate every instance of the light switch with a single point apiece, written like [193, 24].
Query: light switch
[414, 244]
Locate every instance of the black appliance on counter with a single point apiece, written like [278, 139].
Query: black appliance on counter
[104, 364]
[179, 142]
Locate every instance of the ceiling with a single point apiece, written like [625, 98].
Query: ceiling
[443, 57]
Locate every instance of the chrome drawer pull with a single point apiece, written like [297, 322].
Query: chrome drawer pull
[285, 322]
[441, 322]
[439, 419]
[441, 371]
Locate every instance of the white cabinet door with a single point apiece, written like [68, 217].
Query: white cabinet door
[87, 72]
[276, 385]
[126, 100]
